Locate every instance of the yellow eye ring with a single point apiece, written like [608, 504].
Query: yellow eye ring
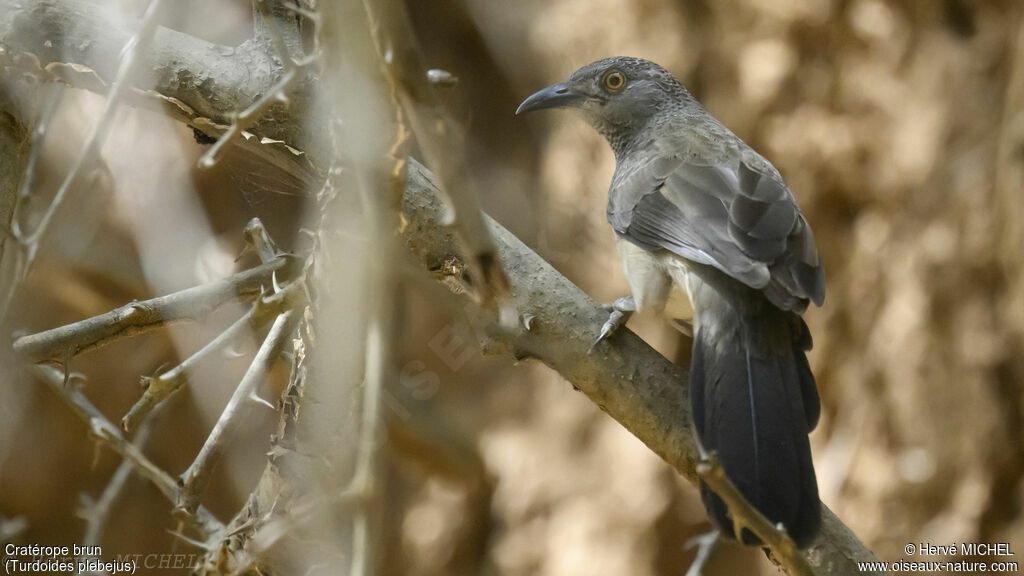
[614, 81]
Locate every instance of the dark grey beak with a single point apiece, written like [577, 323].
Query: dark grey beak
[554, 96]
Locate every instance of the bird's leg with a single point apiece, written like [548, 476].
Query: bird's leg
[620, 310]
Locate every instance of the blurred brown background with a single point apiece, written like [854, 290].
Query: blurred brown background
[899, 126]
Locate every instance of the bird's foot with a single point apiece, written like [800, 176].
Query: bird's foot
[620, 311]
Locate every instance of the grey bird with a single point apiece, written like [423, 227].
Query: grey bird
[693, 206]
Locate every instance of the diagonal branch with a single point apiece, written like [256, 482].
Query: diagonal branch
[12, 253]
[104, 431]
[196, 477]
[746, 516]
[161, 386]
[128, 64]
[96, 512]
[293, 74]
[137, 317]
[441, 141]
[626, 378]
[82, 33]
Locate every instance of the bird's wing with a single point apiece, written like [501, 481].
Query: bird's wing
[740, 219]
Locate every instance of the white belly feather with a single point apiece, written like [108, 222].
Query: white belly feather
[658, 281]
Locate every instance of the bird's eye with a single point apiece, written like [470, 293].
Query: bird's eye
[614, 81]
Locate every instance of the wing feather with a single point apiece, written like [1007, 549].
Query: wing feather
[741, 220]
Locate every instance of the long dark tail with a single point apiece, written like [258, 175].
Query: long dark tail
[754, 403]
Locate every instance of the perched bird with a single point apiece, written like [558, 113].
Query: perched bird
[693, 206]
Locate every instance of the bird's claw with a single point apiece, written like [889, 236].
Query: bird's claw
[616, 320]
[620, 311]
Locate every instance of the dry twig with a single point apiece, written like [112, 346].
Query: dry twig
[104, 431]
[13, 261]
[195, 478]
[745, 516]
[130, 59]
[443, 144]
[706, 544]
[138, 317]
[161, 386]
[96, 512]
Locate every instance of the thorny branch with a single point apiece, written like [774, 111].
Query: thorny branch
[138, 317]
[162, 385]
[96, 512]
[130, 59]
[237, 76]
[195, 478]
[630, 381]
[364, 129]
[12, 254]
[104, 431]
[281, 304]
[294, 72]
[744, 515]
[443, 144]
[246, 118]
[626, 378]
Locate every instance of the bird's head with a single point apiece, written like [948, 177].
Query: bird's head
[618, 96]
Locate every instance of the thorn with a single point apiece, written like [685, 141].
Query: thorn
[67, 368]
[706, 546]
[208, 160]
[196, 543]
[96, 445]
[259, 400]
[245, 250]
[439, 77]
[528, 321]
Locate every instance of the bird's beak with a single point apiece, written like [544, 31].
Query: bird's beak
[554, 96]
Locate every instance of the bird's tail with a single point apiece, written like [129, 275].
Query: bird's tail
[754, 403]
